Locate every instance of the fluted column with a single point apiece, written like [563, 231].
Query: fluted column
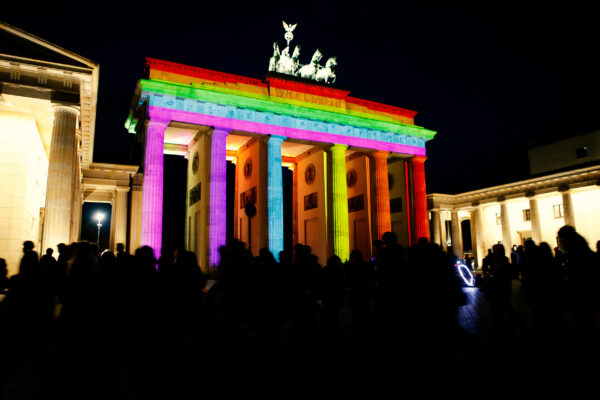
[62, 167]
[120, 217]
[436, 234]
[479, 234]
[295, 204]
[382, 193]
[217, 226]
[536, 229]
[505, 220]
[457, 247]
[443, 233]
[568, 213]
[275, 195]
[152, 195]
[421, 213]
[341, 234]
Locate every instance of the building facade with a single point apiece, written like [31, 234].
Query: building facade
[565, 192]
[47, 122]
[358, 166]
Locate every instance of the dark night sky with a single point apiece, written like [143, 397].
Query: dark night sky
[492, 79]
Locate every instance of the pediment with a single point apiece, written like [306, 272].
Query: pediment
[18, 43]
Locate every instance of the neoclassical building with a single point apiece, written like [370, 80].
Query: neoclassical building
[47, 122]
[563, 191]
[358, 165]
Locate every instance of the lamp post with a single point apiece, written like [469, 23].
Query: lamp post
[99, 217]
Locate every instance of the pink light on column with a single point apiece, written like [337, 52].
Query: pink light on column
[217, 222]
[152, 195]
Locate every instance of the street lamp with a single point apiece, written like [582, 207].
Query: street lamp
[99, 217]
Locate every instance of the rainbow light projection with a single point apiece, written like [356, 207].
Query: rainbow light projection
[275, 195]
[283, 109]
[217, 228]
[420, 198]
[382, 194]
[152, 197]
[341, 234]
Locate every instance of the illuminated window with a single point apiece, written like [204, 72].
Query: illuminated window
[581, 152]
[557, 208]
[527, 215]
[498, 219]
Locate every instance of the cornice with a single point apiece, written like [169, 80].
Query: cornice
[527, 188]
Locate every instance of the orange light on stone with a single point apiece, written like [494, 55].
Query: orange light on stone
[382, 193]
[421, 216]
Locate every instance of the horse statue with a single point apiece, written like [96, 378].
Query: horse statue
[275, 59]
[288, 64]
[310, 70]
[324, 74]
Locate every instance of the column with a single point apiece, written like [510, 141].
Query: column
[341, 234]
[421, 214]
[217, 226]
[456, 238]
[505, 220]
[62, 167]
[120, 217]
[436, 226]
[152, 194]
[275, 195]
[472, 217]
[568, 213]
[382, 194]
[295, 205]
[478, 235]
[536, 230]
[77, 204]
[443, 232]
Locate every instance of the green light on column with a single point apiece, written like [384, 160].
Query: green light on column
[341, 234]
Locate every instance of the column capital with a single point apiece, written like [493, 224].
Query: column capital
[63, 107]
[339, 147]
[530, 194]
[564, 188]
[218, 131]
[159, 123]
[418, 159]
[276, 138]
[381, 154]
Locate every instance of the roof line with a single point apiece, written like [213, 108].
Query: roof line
[42, 42]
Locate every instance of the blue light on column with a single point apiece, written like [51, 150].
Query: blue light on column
[275, 195]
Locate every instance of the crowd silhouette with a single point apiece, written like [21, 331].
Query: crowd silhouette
[90, 325]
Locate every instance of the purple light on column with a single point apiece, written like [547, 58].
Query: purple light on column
[217, 222]
[152, 195]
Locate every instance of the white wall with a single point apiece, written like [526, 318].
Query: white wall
[586, 204]
[23, 177]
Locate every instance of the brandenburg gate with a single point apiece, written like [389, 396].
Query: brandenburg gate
[358, 165]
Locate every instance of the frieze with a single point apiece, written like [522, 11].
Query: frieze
[307, 97]
[248, 197]
[218, 110]
[195, 194]
[273, 108]
[311, 201]
[356, 203]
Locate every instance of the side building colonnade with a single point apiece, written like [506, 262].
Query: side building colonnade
[512, 213]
